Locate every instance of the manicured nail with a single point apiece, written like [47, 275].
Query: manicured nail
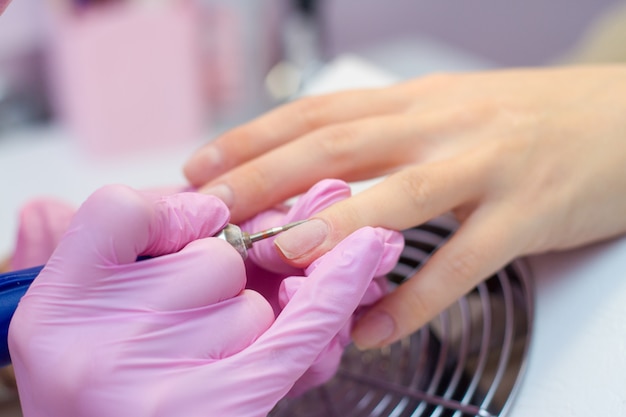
[211, 155]
[221, 191]
[301, 239]
[372, 330]
[204, 163]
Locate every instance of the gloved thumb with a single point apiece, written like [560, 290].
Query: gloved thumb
[116, 224]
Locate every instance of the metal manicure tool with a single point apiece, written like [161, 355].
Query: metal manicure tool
[13, 285]
[243, 241]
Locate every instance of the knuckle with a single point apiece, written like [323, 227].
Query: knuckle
[463, 265]
[337, 143]
[344, 218]
[419, 305]
[312, 112]
[416, 186]
[239, 141]
[257, 181]
[479, 112]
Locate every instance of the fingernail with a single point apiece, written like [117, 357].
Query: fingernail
[301, 239]
[211, 156]
[372, 330]
[205, 162]
[221, 191]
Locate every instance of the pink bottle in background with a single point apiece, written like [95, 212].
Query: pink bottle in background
[125, 76]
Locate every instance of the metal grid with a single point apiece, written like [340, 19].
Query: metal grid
[466, 362]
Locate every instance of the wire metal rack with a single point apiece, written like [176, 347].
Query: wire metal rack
[468, 361]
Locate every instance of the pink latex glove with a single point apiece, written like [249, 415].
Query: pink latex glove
[101, 335]
[3, 5]
[42, 222]
[277, 281]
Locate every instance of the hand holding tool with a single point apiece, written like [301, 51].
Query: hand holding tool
[13, 285]
[98, 334]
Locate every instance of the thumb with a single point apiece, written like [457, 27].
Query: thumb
[117, 223]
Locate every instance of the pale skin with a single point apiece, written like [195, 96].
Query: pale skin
[528, 160]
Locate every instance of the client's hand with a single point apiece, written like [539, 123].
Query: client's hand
[175, 335]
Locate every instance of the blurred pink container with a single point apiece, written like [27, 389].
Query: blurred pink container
[125, 76]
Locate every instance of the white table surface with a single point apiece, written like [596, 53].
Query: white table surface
[577, 363]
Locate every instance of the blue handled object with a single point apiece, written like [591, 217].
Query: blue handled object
[13, 286]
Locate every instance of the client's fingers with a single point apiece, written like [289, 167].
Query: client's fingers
[350, 151]
[285, 124]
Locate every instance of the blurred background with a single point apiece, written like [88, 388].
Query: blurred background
[122, 72]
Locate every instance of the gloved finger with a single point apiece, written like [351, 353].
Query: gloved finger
[183, 218]
[206, 333]
[376, 290]
[320, 196]
[479, 248]
[315, 314]
[169, 189]
[327, 362]
[324, 367]
[116, 224]
[204, 272]
[288, 288]
[42, 222]
[393, 243]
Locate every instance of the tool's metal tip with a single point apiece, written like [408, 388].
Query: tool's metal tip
[265, 234]
[293, 224]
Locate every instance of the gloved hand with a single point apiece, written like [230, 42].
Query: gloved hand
[41, 224]
[277, 281]
[175, 335]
